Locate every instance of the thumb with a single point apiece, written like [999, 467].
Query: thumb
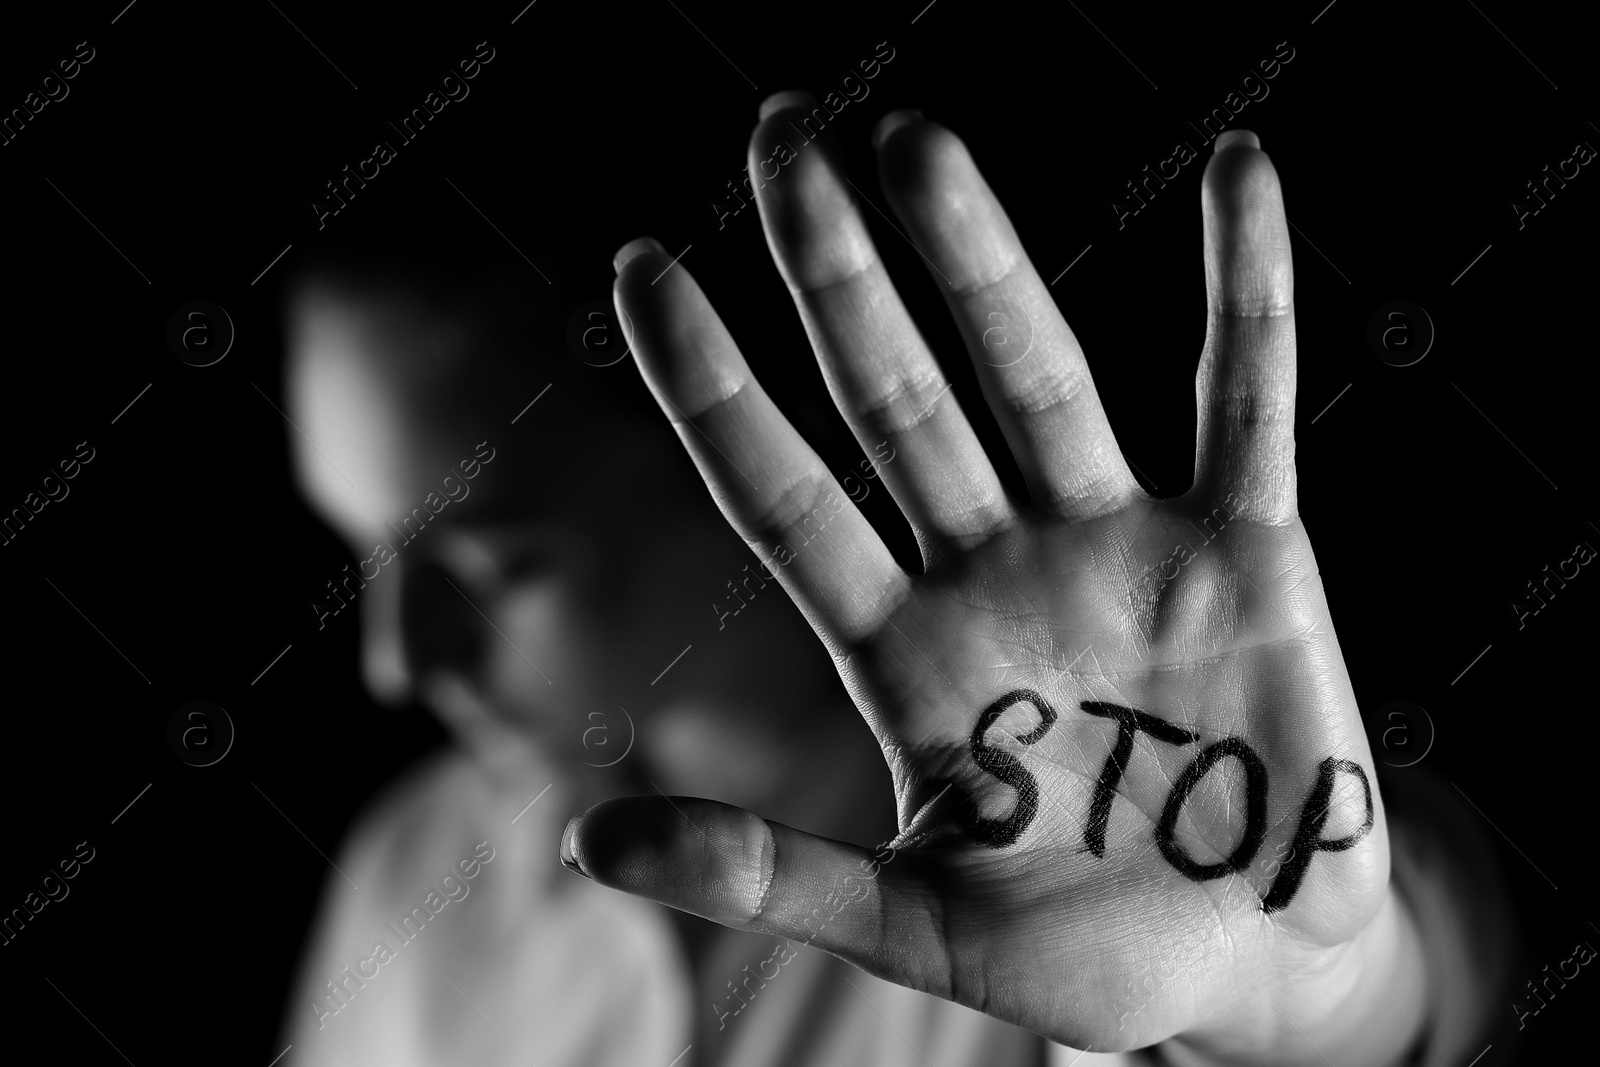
[868, 907]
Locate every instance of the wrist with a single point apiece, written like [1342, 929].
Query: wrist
[1360, 1003]
[1419, 985]
[1446, 868]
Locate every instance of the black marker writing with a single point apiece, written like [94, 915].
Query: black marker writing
[998, 833]
[1129, 722]
[1287, 874]
[1308, 837]
[1255, 821]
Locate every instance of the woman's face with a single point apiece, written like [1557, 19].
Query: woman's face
[565, 577]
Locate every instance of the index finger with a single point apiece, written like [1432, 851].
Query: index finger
[771, 486]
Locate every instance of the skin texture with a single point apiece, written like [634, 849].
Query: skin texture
[1074, 595]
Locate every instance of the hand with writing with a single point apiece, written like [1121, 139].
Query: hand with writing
[1124, 745]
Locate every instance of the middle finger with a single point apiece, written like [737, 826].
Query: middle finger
[879, 370]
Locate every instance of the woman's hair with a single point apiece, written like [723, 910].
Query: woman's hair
[542, 311]
[538, 311]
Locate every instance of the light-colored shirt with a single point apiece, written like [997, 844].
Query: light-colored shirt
[449, 934]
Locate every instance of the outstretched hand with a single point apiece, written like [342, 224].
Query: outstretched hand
[1135, 798]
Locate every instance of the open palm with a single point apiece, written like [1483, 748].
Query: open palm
[1127, 758]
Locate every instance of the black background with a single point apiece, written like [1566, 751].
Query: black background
[199, 133]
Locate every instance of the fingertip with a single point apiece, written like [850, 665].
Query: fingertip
[925, 163]
[891, 122]
[1235, 138]
[569, 855]
[1240, 179]
[699, 856]
[782, 101]
[633, 250]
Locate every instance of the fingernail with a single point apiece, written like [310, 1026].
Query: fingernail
[892, 122]
[1233, 138]
[788, 98]
[568, 860]
[633, 250]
